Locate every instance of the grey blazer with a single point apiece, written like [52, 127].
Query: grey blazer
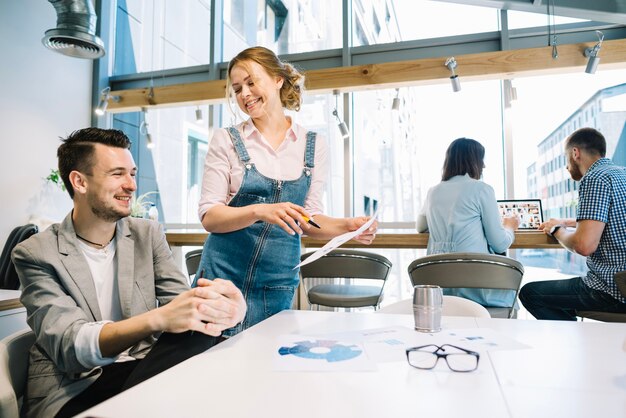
[59, 295]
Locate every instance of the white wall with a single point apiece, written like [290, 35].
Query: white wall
[43, 96]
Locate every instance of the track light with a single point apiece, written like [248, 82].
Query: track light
[510, 93]
[149, 143]
[395, 105]
[592, 53]
[143, 130]
[454, 78]
[199, 117]
[103, 103]
[343, 128]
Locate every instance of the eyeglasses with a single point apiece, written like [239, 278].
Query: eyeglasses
[458, 359]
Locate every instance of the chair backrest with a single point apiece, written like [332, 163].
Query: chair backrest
[620, 281]
[345, 264]
[14, 351]
[348, 264]
[8, 276]
[452, 306]
[468, 270]
[192, 261]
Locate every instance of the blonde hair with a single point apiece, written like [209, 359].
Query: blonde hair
[293, 81]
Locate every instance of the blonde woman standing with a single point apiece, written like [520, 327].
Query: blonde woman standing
[263, 180]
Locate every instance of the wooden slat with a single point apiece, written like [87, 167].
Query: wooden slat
[522, 240]
[481, 66]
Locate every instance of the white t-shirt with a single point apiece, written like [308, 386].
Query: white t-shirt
[103, 269]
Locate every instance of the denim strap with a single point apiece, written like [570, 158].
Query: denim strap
[240, 148]
[309, 154]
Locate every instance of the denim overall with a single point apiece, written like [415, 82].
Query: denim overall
[260, 258]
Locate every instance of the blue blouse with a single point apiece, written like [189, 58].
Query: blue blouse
[461, 215]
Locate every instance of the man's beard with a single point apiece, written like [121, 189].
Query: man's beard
[105, 212]
[575, 172]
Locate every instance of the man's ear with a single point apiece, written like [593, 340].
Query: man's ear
[78, 182]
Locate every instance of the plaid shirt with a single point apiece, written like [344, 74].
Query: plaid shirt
[602, 197]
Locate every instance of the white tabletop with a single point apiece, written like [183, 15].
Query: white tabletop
[568, 370]
[10, 299]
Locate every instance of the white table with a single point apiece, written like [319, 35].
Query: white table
[570, 370]
[12, 312]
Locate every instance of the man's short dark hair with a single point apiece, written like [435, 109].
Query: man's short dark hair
[588, 139]
[464, 156]
[76, 151]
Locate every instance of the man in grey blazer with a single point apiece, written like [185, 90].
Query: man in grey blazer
[98, 287]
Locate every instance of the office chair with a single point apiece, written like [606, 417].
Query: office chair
[470, 270]
[620, 281]
[338, 267]
[192, 261]
[14, 351]
[452, 306]
[8, 276]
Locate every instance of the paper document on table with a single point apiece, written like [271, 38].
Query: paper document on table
[337, 241]
[299, 353]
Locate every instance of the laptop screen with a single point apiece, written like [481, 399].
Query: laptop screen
[529, 211]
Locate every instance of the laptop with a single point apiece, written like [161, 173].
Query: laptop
[529, 211]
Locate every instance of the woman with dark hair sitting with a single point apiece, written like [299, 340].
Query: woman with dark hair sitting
[461, 214]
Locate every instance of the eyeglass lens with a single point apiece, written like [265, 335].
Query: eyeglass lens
[427, 357]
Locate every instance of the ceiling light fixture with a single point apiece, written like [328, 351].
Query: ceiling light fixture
[395, 104]
[199, 117]
[143, 130]
[454, 78]
[592, 54]
[103, 103]
[510, 93]
[343, 128]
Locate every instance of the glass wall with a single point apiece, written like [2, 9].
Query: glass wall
[546, 112]
[395, 151]
[519, 20]
[377, 22]
[402, 151]
[179, 145]
[161, 34]
[284, 26]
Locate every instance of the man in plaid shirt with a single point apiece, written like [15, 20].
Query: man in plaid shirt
[598, 232]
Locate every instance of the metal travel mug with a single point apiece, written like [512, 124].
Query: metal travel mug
[427, 307]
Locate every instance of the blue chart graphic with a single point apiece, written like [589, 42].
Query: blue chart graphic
[328, 350]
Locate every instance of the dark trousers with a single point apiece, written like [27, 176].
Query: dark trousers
[560, 299]
[169, 350]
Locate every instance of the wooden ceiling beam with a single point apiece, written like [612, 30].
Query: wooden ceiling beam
[482, 66]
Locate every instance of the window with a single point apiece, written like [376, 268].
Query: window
[197, 147]
[537, 115]
[284, 26]
[519, 20]
[153, 36]
[419, 20]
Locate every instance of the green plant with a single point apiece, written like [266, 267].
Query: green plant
[55, 177]
[140, 205]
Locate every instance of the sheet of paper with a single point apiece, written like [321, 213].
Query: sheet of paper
[390, 343]
[361, 350]
[298, 353]
[337, 241]
[478, 339]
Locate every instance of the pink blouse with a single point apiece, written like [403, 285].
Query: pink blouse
[223, 172]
